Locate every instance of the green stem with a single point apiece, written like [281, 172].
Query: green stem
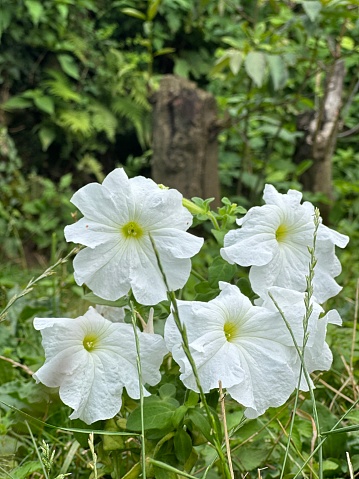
[139, 369]
[186, 349]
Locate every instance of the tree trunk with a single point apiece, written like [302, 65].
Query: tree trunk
[320, 136]
[185, 148]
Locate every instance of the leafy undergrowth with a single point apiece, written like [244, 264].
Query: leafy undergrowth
[35, 441]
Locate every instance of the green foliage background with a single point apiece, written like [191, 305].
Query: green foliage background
[76, 79]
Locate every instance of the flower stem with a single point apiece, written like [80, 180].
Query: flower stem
[139, 369]
[185, 345]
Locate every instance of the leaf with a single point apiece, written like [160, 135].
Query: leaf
[45, 103]
[69, 65]
[167, 391]
[5, 19]
[255, 64]
[60, 86]
[278, 70]
[220, 270]
[132, 12]
[235, 61]
[181, 68]
[152, 9]
[15, 103]
[312, 9]
[35, 10]
[76, 121]
[157, 414]
[92, 298]
[47, 136]
[183, 445]
[26, 470]
[201, 423]
[163, 51]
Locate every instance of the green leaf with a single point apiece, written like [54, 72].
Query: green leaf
[15, 103]
[152, 9]
[163, 51]
[45, 103]
[157, 413]
[47, 136]
[5, 19]
[167, 391]
[201, 423]
[181, 68]
[220, 270]
[132, 12]
[255, 64]
[26, 470]
[278, 71]
[235, 61]
[183, 445]
[192, 398]
[92, 298]
[179, 415]
[312, 9]
[35, 9]
[69, 66]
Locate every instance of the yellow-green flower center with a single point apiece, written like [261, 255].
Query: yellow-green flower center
[231, 330]
[281, 233]
[132, 230]
[90, 342]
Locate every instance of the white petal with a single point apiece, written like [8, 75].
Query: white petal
[176, 243]
[100, 205]
[104, 269]
[159, 208]
[269, 380]
[327, 234]
[90, 233]
[272, 197]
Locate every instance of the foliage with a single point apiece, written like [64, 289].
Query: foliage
[76, 78]
[33, 209]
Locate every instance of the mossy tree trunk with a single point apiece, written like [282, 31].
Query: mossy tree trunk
[185, 148]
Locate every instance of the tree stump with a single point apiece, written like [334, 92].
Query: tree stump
[185, 147]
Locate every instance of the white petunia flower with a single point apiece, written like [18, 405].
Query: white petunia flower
[242, 345]
[274, 240]
[92, 359]
[317, 354]
[118, 217]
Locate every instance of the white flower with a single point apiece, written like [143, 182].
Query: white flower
[118, 217]
[242, 345]
[317, 354]
[92, 359]
[274, 240]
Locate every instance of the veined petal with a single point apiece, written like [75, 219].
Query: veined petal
[176, 243]
[159, 208]
[327, 234]
[268, 380]
[272, 197]
[96, 266]
[90, 233]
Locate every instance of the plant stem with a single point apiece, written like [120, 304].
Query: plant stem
[139, 369]
[186, 349]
